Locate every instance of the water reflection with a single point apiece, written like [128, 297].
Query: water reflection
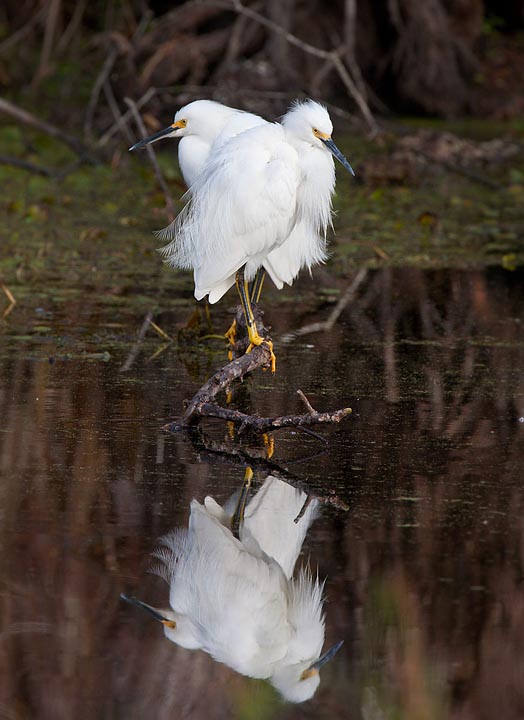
[425, 571]
[232, 591]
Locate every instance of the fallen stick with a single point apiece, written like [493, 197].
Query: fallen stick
[222, 379]
[28, 119]
[263, 424]
[25, 165]
[203, 403]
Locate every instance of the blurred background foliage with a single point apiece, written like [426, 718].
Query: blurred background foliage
[437, 57]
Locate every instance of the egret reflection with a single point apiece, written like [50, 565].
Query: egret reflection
[233, 592]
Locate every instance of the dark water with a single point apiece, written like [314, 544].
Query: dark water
[424, 571]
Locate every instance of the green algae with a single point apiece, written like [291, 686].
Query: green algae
[90, 234]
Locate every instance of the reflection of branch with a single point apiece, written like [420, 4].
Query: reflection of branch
[12, 300]
[136, 347]
[234, 455]
[332, 56]
[327, 325]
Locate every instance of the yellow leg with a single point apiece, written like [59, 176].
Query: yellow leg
[256, 286]
[254, 338]
[238, 516]
[208, 316]
[231, 335]
[269, 441]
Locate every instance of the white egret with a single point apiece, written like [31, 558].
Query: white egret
[235, 597]
[261, 200]
[258, 189]
[199, 125]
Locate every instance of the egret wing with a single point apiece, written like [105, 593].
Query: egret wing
[305, 614]
[270, 520]
[242, 206]
[236, 600]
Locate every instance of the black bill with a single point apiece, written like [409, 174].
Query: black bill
[333, 149]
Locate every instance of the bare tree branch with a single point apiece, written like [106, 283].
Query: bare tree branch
[25, 165]
[27, 118]
[124, 119]
[152, 157]
[266, 424]
[332, 56]
[97, 88]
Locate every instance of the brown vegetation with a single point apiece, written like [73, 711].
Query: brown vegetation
[443, 57]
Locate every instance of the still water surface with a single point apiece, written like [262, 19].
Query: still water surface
[424, 571]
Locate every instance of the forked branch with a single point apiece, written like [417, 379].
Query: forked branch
[204, 404]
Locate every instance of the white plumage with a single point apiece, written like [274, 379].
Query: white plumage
[237, 599]
[199, 125]
[242, 206]
[260, 193]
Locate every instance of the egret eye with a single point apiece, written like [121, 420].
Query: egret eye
[183, 123]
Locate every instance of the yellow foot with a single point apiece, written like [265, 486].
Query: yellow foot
[231, 336]
[254, 343]
[269, 442]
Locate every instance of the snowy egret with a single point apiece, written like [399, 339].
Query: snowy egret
[203, 126]
[259, 192]
[198, 125]
[236, 599]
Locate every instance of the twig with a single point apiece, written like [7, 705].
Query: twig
[161, 332]
[307, 503]
[97, 88]
[53, 11]
[327, 325]
[264, 424]
[70, 31]
[23, 32]
[25, 165]
[134, 350]
[259, 357]
[11, 298]
[115, 110]
[123, 119]
[28, 119]
[152, 157]
[332, 56]
[309, 406]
